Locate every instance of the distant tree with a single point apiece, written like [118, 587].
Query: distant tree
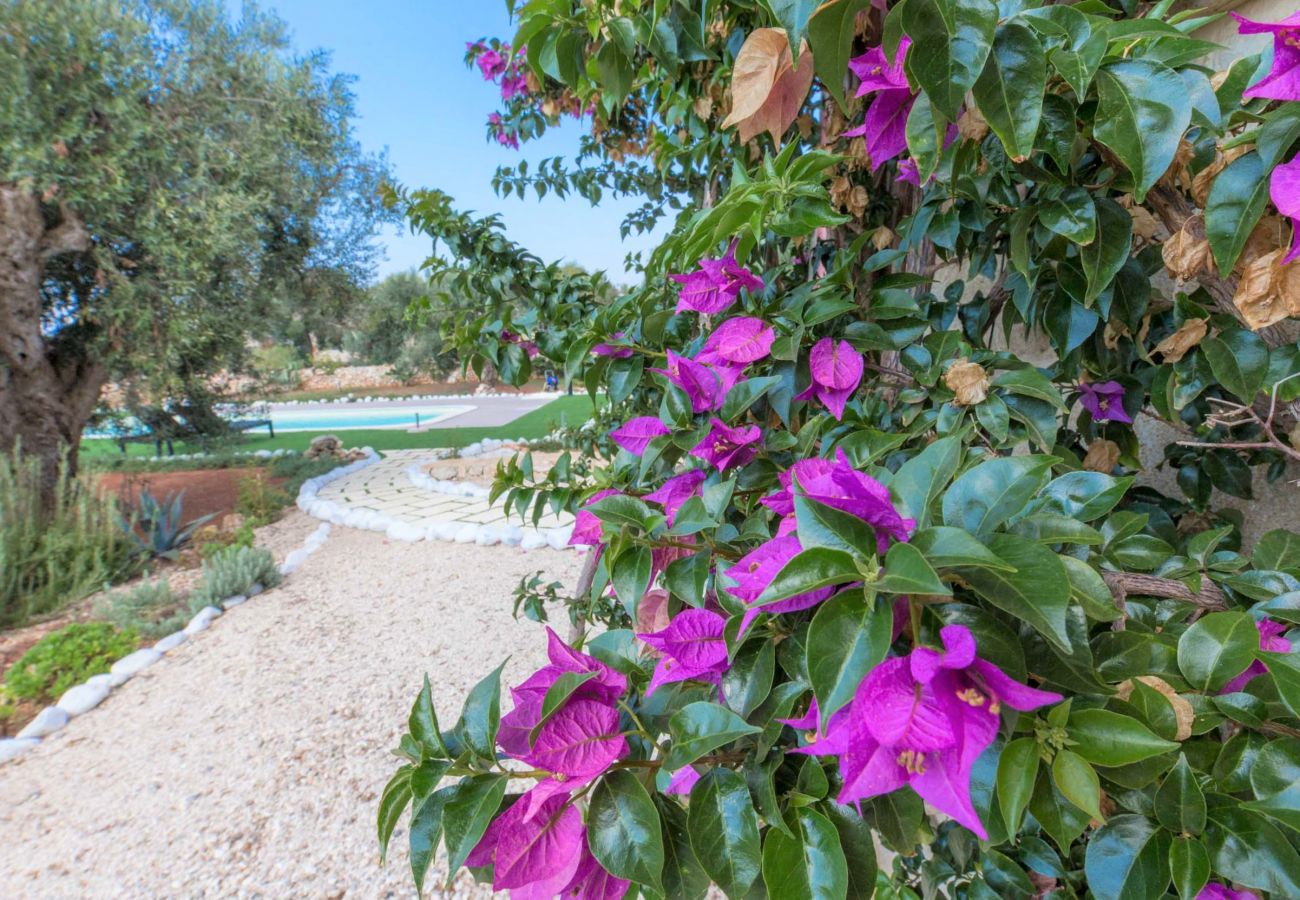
[166, 178]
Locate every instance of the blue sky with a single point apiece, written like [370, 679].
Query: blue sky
[416, 98]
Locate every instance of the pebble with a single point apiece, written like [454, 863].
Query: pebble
[11, 747]
[135, 662]
[237, 599]
[171, 642]
[47, 721]
[254, 590]
[82, 698]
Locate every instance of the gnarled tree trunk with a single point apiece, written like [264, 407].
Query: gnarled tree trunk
[47, 391]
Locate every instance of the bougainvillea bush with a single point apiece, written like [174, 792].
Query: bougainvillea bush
[873, 602]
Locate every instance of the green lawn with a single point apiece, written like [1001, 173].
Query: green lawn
[563, 410]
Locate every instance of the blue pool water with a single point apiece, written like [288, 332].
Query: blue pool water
[340, 417]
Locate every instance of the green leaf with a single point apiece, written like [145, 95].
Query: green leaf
[951, 40]
[922, 478]
[426, 830]
[824, 526]
[684, 877]
[793, 16]
[1086, 495]
[749, 680]
[993, 491]
[1216, 649]
[830, 37]
[1089, 590]
[847, 638]
[1180, 802]
[468, 809]
[724, 831]
[1189, 866]
[1278, 134]
[907, 572]
[631, 576]
[1126, 859]
[624, 831]
[1246, 847]
[620, 509]
[1061, 819]
[1077, 782]
[1235, 203]
[392, 803]
[1017, 772]
[1239, 360]
[1278, 549]
[559, 691]
[745, 394]
[699, 728]
[1072, 215]
[481, 715]
[1107, 738]
[1143, 108]
[858, 846]
[1038, 591]
[808, 571]
[1275, 779]
[1104, 257]
[947, 547]
[423, 723]
[1009, 92]
[808, 862]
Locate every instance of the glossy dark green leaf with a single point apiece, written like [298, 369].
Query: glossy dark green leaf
[1107, 738]
[749, 680]
[631, 576]
[990, 493]
[951, 40]
[559, 691]
[1086, 495]
[624, 831]
[847, 638]
[724, 831]
[1239, 360]
[824, 526]
[830, 37]
[1143, 108]
[1189, 866]
[908, 572]
[1235, 203]
[806, 864]
[1105, 256]
[468, 808]
[1078, 782]
[1180, 802]
[684, 877]
[1278, 549]
[1216, 649]
[946, 547]
[810, 569]
[858, 846]
[699, 728]
[423, 723]
[1245, 847]
[1017, 772]
[1038, 591]
[426, 831]
[392, 803]
[920, 480]
[1061, 819]
[1072, 215]
[1127, 859]
[481, 715]
[1009, 92]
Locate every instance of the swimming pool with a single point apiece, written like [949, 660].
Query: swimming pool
[338, 417]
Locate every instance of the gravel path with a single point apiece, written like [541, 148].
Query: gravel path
[249, 762]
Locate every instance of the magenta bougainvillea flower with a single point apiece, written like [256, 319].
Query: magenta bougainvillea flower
[1284, 191]
[922, 720]
[705, 385]
[1271, 641]
[513, 84]
[885, 126]
[716, 284]
[1283, 80]
[682, 781]
[1104, 400]
[504, 136]
[676, 491]
[618, 351]
[586, 527]
[754, 571]
[1223, 892]
[635, 435]
[836, 373]
[579, 741]
[908, 173]
[837, 484]
[692, 649]
[739, 341]
[491, 63]
[725, 447]
[537, 846]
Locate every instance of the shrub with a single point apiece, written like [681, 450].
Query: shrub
[231, 571]
[50, 559]
[258, 500]
[216, 541]
[157, 528]
[149, 609]
[65, 658]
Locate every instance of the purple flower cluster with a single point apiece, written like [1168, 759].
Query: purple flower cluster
[1104, 400]
[885, 126]
[1271, 640]
[715, 285]
[538, 847]
[922, 720]
[836, 370]
[691, 648]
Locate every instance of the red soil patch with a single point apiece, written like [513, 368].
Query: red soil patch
[206, 490]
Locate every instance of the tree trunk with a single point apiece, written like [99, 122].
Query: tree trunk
[47, 389]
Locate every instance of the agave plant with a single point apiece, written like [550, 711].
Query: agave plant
[157, 528]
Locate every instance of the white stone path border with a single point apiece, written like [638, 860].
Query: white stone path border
[82, 698]
[407, 506]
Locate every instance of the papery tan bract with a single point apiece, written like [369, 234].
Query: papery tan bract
[767, 90]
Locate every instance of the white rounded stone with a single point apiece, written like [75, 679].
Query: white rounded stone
[171, 642]
[232, 602]
[11, 747]
[82, 698]
[47, 721]
[135, 662]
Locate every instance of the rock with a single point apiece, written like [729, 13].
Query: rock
[82, 698]
[11, 747]
[135, 662]
[231, 602]
[47, 721]
[171, 642]
[324, 445]
[105, 679]
[467, 533]
[532, 540]
[202, 619]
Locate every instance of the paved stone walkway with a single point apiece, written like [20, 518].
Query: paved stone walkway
[384, 494]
